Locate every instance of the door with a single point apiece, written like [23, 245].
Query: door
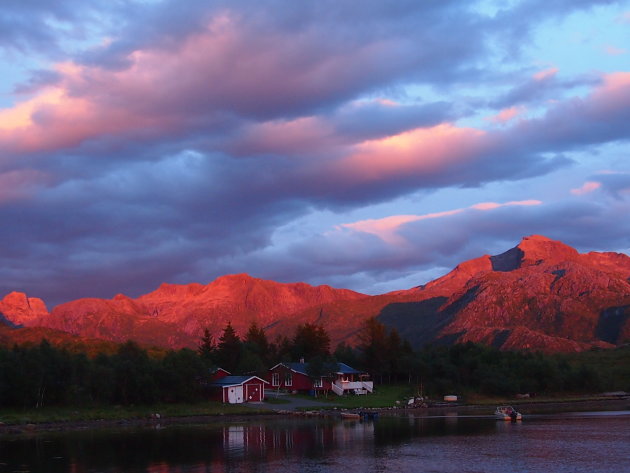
[253, 392]
[235, 394]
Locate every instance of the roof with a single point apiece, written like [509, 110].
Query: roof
[234, 381]
[345, 369]
[216, 370]
[302, 368]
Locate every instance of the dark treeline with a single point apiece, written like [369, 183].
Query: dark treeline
[43, 375]
[255, 354]
[471, 367]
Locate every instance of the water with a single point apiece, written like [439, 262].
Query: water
[573, 442]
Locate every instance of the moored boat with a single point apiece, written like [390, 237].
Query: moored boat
[507, 413]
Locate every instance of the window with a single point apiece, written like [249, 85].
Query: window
[275, 379]
[318, 383]
[288, 379]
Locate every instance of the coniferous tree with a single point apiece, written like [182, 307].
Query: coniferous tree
[309, 341]
[344, 353]
[256, 341]
[284, 349]
[207, 349]
[229, 349]
[394, 354]
[373, 347]
[135, 375]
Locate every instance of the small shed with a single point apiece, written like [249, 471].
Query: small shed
[238, 389]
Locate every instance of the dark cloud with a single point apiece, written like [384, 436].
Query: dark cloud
[182, 145]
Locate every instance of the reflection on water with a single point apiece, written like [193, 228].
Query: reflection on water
[396, 443]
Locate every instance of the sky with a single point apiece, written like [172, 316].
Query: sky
[364, 144]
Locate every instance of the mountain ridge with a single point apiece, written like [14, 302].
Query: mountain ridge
[539, 295]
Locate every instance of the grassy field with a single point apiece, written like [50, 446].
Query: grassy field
[82, 414]
[383, 396]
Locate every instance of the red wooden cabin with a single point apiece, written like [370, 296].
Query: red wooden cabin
[295, 377]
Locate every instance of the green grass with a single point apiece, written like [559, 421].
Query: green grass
[81, 414]
[383, 396]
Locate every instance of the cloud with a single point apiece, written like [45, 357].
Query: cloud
[387, 228]
[542, 87]
[162, 141]
[180, 216]
[545, 74]
[507, 114]
[357, 255]
[613, 50]
[587, 188]
[616, 183]
[47, 28]
[20, 184]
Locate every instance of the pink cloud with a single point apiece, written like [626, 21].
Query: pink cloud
[386, 102]
[495, 205]
[55, 118]
[613, 50]
[615, 83]
[420, 151]
[507, 114]
[228, 68]
[587, 188]
[387, 228]
[546, 74]
[613, 93]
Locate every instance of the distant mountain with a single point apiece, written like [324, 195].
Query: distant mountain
[540, 295]
[176, 315]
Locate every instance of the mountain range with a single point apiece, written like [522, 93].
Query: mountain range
[540, 295]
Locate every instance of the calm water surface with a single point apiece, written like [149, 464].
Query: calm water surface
[581, 442]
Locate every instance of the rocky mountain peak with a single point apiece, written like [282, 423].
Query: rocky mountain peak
[533, 250]
[19, 308]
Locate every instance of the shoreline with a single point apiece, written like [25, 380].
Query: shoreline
[526, 407]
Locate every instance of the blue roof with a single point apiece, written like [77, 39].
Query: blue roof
[345, 369]
[299, 367]
[303, 367]
[233, 380]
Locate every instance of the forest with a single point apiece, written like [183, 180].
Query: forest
[44, 375]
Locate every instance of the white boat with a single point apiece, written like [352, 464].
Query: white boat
[507, 413]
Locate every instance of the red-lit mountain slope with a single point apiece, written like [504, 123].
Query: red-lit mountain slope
[176, 315]
[540, 295]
